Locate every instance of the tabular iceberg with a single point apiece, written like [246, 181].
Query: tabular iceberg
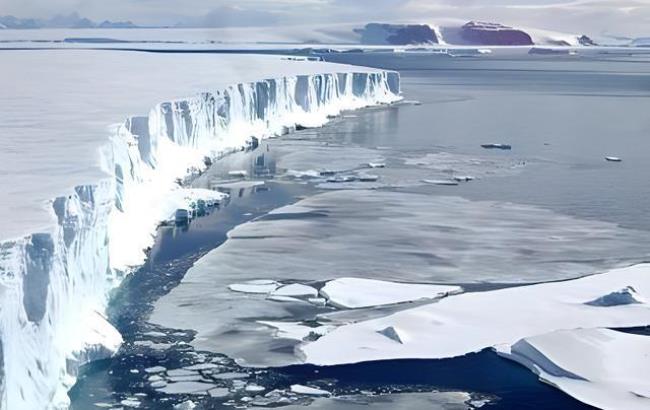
[54, 285]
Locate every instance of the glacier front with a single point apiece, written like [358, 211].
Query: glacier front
[83, 193]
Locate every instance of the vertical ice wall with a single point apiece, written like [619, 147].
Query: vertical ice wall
[54, 285]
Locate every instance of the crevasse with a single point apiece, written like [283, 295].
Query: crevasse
[54, 286]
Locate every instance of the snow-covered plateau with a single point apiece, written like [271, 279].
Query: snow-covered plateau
[82, 198]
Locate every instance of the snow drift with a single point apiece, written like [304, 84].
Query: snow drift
[54, 285]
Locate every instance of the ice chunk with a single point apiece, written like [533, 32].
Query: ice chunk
[440, 181]
[295, 290]
[181, 372]
[186, 388]
[155, 369]
[352, 293]
[601, 367]
[613, 159]
[254, 388]
[255, 286]
[219, 392]
[309, 391]
[230, 376]
[497, 146]
[186, 405]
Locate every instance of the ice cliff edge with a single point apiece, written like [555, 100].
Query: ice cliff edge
[54, 285]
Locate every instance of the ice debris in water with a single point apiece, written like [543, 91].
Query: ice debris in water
[309, 391]
[186, 405]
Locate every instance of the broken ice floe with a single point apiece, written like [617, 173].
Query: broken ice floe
[352, 293]
[310, 391]
[470, 322]
[601, 367]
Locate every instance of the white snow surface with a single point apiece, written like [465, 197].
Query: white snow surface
[93, 142]
[601, 367]
[470, 322]
[355, 293]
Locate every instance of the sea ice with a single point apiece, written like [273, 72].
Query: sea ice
[470, 322]
[352, 293]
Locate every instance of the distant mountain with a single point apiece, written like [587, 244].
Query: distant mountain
[72, 20]
[473, 33]
[397, 34]
[489, 34]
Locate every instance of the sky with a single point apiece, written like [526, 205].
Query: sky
[595, 17]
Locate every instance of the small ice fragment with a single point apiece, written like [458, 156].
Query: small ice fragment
[391, 333]
[238, 173]
[497, 146]
[376, 165]
[158, 384]
[625, 296]
[219, 392]
[181, 372]
[134, 371]
[310, 391]
[613, 159]
[463, 178]
[295, 290]
[255, 286]
[317, 301]
[186, 388]
[285, 299]
[154, 334]
[130, 402]
[254, 388]
[155, 369]
[440, 182]
[186, 405]
[368, 178]
[230, 376]
[202, 366]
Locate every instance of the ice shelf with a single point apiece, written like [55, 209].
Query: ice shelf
[92, 144]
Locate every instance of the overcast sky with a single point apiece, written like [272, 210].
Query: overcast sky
[624, 17]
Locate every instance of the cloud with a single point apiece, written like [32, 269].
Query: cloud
[588, 16]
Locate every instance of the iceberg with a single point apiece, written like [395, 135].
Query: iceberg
[82, 198]
[600, 367]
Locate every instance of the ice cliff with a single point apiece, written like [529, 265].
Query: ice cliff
[55, 284]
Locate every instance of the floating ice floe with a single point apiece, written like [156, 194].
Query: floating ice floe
[295, 290]
[600, 367]
[353, 293]
[309, 391]
[262, 286]
[450, 182]
[186, 405]
[497, 146]
[192, 387]
[613, 159]
[470, 322]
